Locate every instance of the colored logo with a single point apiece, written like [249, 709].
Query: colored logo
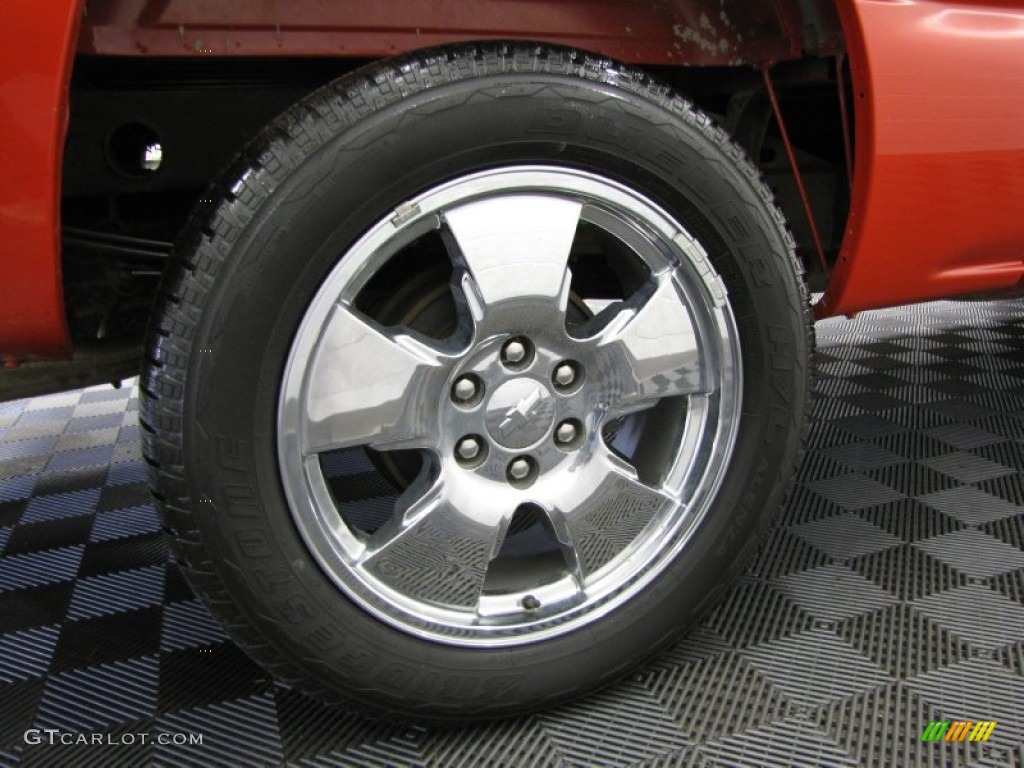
[958, 730]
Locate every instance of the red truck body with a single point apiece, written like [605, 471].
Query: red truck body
[937, 207]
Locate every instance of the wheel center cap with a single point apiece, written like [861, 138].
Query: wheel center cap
[519, 413]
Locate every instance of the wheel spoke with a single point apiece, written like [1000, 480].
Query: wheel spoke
[368, 387]
[516, 250]
[611, 509]
[436, 552]
[650, 352]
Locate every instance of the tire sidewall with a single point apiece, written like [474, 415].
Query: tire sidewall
[289, 238]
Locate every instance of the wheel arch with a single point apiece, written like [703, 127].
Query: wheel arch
[681, 34]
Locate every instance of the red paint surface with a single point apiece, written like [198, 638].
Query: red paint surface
[35, 40]
[938, 207]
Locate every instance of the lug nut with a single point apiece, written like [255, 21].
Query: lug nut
[514, 352]
[464, 389]
[468, 448]
[519, 469]
[565, 375]
[566, 432]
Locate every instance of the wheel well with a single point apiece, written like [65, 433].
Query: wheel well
[147, 137]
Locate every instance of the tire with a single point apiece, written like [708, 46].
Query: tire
[477, 382]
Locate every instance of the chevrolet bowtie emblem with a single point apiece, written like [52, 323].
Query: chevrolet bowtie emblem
[519, 414]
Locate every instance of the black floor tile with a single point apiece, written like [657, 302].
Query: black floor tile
[88, 642]
[123, 554]
[49, 534]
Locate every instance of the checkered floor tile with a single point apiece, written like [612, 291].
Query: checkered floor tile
[889, 593]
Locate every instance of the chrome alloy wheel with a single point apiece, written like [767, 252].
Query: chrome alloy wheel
[565, 459]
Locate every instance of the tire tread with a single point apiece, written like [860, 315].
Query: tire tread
[237, 196]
